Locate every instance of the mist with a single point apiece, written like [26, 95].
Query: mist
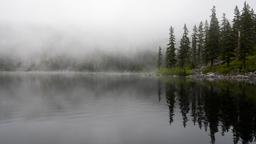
[36, 30]
[127, 71]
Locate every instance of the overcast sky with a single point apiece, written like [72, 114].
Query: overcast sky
[130, 22]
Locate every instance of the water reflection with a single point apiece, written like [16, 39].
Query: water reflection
[215, 106]
[114, 109]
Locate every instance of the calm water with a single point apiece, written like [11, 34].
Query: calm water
[123, 109]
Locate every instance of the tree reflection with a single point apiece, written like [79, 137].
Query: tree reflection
[183, 102]
[159, 89]
[170, 98]
[217, 106]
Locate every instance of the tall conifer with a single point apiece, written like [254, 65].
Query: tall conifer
[213, 47]
[200, 43]
[170, 51]
[194, 56]
[247, 34]
[183, 54]
[226, 41]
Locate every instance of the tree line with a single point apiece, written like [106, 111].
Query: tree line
[214, 43]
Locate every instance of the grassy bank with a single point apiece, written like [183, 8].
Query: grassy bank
[234, 67]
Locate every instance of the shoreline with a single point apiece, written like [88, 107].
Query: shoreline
[69, 73]
[211, 76]
[248, 77]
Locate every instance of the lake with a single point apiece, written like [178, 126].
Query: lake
[77, 108]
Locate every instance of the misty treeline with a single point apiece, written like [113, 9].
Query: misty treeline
[143, 61]
[39, 48]
[214, 43]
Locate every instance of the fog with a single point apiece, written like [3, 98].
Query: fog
[30, 29]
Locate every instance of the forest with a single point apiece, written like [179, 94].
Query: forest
[221, 46]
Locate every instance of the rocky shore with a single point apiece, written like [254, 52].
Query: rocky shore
[248, 77]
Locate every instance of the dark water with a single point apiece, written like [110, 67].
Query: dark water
[123, 109]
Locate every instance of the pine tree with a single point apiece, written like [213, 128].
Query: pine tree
[205, 43]
[194, 48]
[236, 30]
[170, 51]
[254, 20]
[183, 54]
[226, 41]
[247, 35]
[159, 61]
[200, 43]
[213, 38]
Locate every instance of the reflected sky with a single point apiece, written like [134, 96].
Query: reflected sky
[114, 109]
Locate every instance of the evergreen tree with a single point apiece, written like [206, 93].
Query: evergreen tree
[211, 43]
[194, 48]
[170, 51]
[183, 54]
[205, 43]
[254, 20]
[236, 30]
[200, 43]
[159, 61]
[213, 38]
[247, 34]
[226, 41]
